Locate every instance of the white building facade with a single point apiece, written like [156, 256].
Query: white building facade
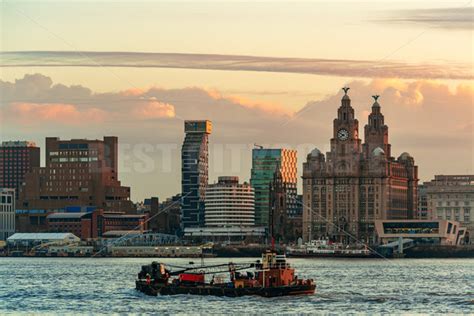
[229, 204]
[451, 197]
[7, 213]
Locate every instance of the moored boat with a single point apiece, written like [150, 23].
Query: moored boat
[273, 276]
[324, 248]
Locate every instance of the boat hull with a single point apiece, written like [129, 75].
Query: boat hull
[153, 289]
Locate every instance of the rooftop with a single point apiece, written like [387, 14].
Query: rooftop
[18, 143]
[67, 215]
[41, 236]
[124, 216]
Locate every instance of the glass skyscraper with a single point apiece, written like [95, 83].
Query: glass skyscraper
[194, 172]
[265, 162]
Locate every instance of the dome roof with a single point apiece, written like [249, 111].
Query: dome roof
[378, 152]
[404, 156]
[315, 152]
[345, 97]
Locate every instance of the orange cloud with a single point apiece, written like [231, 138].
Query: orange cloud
[268, 107]
[52, 112]
[30, 113]
[132, 92]
[154, 109]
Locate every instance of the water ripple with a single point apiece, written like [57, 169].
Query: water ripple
[106, 286]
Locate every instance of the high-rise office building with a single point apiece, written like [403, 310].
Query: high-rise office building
[229, 203]
[356, 184]
[194, 172]
[265, 163]
[16, 159]
[7, 213]
[78, 172]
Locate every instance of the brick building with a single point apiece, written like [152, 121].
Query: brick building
[31, 221]
[17, 158]
[87, 225]
[77, 172]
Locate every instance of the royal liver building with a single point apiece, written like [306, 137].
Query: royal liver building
[355, 184]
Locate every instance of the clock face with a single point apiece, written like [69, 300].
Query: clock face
[343, 134]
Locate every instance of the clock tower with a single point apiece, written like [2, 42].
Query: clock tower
[354, 185]
[376, 132]
[345, 143]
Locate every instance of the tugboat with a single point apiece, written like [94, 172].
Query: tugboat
[271, 277]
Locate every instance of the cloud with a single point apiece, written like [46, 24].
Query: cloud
[428, 119]
[35, 99]
[426, 113]
[251, 104]
[460, 18]
[333, 67]
[34, 113]
[154, 109]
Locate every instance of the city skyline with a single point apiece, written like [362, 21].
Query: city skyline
[140, 159]
[399, 51]
[288, 156]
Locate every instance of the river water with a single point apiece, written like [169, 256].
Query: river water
[106, 285]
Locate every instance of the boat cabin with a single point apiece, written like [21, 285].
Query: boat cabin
[275, 271]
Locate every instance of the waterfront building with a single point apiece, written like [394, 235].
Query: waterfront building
[7, 213]
[356, 184]
[89, 225]
[77, 172]
[194, 171]
[265, 162]
[451, 197]
[30, 240]
[73, 223]
[31, 221]
[434, 232]
[17, 158]
[229, 203]
[34, 221]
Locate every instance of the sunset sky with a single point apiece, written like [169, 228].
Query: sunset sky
[267, 72]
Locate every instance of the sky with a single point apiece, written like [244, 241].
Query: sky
[265, 72]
